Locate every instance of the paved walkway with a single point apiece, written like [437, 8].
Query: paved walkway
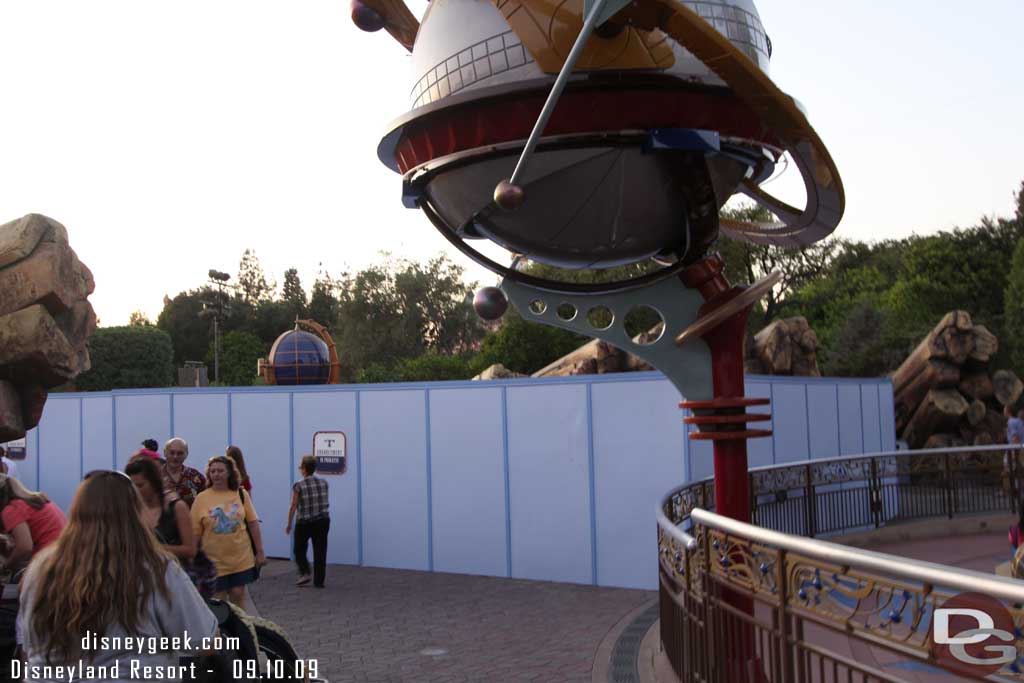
[391, 625]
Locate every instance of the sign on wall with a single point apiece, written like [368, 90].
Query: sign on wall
[329, 449]
[15, 450]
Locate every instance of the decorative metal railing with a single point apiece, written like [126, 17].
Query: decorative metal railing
[763, 603]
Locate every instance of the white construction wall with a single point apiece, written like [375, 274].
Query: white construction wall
[552, 479]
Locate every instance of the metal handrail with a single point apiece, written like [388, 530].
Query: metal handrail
[914, 570]
[711, 576]
[880, 454]
[961, 580]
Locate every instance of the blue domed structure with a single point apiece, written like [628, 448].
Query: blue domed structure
[299, 357]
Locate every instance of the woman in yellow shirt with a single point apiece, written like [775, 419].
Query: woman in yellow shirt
[224, 519]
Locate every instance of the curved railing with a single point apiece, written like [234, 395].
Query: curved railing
[764, 603]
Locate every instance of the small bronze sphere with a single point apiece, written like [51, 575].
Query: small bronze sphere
[366, 18]
[490, 303]
[509, 196]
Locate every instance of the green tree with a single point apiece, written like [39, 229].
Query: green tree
[1014, 298]
[523, 346]
[861, 346]
[292, 294]
[129, 357]
[430, 367]
[252, 281]
[189, 333]
[401, 309]
[268, 320]
[239, 352]
[375, 373]
[434, 367]
[323, 304]
[138, 319]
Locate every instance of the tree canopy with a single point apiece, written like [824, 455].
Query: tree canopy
[129, 357]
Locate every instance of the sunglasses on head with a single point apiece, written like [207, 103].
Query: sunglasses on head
[105, 473]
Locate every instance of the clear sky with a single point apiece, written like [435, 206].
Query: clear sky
[170, 136]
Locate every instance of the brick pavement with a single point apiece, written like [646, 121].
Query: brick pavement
[373, 624]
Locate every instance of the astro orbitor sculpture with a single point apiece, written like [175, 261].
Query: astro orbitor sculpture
[596, 133]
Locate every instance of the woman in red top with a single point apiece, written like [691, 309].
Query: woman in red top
[29, 517]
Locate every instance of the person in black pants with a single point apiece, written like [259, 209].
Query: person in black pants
[309, 499]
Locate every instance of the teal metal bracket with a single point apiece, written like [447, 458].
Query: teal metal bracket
[687, 366]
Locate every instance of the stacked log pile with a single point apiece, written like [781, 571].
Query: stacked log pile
[45, 319]
[946, 393]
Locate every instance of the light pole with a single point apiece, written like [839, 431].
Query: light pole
[218, 279]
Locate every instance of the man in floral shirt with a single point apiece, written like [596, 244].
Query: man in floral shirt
[185, 481]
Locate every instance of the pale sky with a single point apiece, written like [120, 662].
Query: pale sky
[170, 136]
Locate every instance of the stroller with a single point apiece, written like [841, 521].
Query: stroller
[264, 651]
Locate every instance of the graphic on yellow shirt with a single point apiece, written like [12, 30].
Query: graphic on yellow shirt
[226, 522]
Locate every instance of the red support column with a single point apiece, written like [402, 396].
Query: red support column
[724, 414]
[723, 420]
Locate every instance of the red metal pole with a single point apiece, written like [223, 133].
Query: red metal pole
[723, 420]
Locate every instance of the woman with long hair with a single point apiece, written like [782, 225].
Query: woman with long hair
[165, 513]
[107, 576]
[235, 453]
[228, 528]
[32, 521]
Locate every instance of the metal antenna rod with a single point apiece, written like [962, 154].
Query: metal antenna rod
[556, 91]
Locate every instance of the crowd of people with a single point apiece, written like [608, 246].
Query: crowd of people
[181, 535]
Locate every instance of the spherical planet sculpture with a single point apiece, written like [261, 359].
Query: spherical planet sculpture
[300, 357]
[660, 112]
[490, 303]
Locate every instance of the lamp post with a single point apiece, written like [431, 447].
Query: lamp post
[217, 279]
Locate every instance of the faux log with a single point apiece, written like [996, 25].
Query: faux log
[940, 409]
[975, 412]
[985, 346]
[786, 347]
[994, 424]
[935, 374]
[944, 441]
[977, 385]
[498, 371]
[951, 340]
[1007, 387]
[594, 357]
[597, 357]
